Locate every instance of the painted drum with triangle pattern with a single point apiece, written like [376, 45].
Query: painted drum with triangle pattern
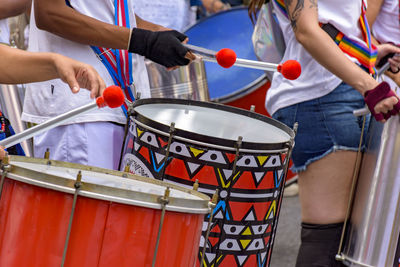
[245, 155]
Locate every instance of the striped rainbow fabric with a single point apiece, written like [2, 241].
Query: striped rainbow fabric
[365, 54]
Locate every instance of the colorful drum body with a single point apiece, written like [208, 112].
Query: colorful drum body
[115, 219]
[204, 146]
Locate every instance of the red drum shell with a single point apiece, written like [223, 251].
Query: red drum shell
[34, 222]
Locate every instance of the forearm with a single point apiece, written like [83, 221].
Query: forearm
[19, 66]
[11, 8]
[303, 15]
[56, 17]
[322, 48]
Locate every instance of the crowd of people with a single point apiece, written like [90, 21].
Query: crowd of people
[335, 81]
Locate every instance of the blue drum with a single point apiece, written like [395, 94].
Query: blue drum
[228, 29]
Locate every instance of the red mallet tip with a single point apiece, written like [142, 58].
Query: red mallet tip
[226, 57]
[112, 97]
[290, 69]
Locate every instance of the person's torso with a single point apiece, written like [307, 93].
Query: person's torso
[386, 27]
[173, 14]
[4, 32]
[314, 81]
[50, 98]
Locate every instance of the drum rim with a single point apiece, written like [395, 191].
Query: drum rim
[210, 139]
[232, 9]
[245, 90]
[96, 191]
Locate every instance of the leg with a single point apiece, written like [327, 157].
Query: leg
[324, 190]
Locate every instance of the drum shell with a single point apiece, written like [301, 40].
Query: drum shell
[34, 222]
[250, 191]
[372, 237]
[186, 82]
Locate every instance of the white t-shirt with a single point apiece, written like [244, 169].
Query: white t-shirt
[4, 31]
[48, 99]
[315, 81]
[173, 14]
[386, 27]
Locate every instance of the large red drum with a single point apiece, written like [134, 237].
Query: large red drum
[242, 154]
[114, 221]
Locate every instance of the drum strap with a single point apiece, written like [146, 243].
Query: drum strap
[118, 62]
[365, 54]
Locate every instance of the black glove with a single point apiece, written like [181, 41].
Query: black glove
[164, 47]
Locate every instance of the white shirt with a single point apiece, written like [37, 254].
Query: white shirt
[386, 27]
[315, 81]
[48, 99]
[4, 31]
[173, 14]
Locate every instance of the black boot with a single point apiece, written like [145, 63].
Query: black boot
[319, 245]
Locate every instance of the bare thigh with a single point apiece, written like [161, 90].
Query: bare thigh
[324, 188]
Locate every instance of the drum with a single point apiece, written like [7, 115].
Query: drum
[61, 214]
[240, 154]
[228, 29]
[373, 235]
[186, 82]
[237, 86]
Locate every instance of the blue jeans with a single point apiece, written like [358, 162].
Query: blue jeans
[326, 124]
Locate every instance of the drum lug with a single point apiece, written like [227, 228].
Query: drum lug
[339, 257]
[252, 108]
[171, 135]
[196, 185]
[212, 204]
[77, 186]
[47, 154]
[164, 200]
[237, 145]
[5, 167]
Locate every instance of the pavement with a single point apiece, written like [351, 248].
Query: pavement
[287, 239]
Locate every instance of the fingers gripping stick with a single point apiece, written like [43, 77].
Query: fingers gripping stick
[226, 58]
[112, 97]
[379, 93]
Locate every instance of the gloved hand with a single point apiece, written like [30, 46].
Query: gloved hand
[163, 47]
[379, 93]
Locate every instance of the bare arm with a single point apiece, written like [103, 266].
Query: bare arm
[214, 6]
[304, 19]
[56, 17]
[11, 8]
[374, 7]
[19, 66]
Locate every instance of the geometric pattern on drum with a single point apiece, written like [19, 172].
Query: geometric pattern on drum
[245, 218]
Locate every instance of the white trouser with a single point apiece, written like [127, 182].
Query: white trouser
[96, 144]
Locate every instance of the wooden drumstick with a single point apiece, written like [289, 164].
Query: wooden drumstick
[226, 58]
[112, 97]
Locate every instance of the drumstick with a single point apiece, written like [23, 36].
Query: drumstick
[364, 111]
[226, 58]
[112, 97]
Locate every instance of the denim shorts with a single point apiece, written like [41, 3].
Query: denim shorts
[325, 124]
